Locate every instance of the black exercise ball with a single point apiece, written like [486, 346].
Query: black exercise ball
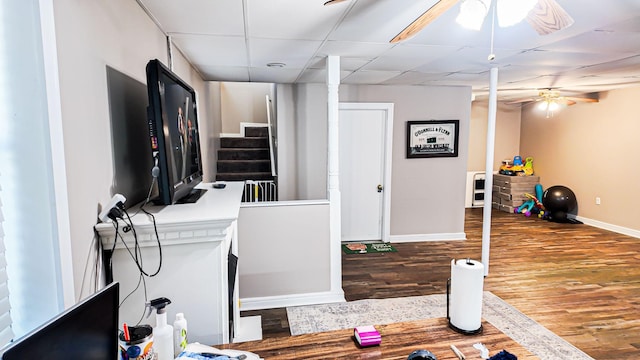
[558, 201]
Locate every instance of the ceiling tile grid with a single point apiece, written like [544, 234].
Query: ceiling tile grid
[234, 40]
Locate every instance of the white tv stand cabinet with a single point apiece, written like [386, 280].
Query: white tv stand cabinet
[195, 240]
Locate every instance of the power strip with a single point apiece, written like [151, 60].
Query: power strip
[115, 200]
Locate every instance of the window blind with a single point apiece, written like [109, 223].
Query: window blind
[29, 224]
[6, 333]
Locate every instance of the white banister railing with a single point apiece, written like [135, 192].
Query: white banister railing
[269, 128]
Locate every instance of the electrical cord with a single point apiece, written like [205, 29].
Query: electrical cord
[141, 280]
[136, 250]
[119, 212]
[96, 266]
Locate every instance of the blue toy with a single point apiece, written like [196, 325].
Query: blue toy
[525, 208]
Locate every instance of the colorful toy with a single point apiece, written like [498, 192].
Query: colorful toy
[528, 166]
[539, 192]
[535, 200]
[517, 160]
[516, 169]
[531, 206]
[525, 208]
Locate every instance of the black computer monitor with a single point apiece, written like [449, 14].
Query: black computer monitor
[87, 330]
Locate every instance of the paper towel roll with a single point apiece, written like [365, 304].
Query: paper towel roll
[465, 307]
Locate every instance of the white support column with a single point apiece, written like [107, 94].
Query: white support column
[488, 182]
[333, 166]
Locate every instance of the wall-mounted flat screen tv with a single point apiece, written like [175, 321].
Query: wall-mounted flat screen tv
[175, 143]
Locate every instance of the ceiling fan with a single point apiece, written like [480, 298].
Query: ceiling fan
[545, 16]
[553, 96]
[551, 101]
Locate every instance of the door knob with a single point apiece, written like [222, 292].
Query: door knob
[380, 188]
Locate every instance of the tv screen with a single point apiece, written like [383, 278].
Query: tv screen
[175, 143]
[87, 330]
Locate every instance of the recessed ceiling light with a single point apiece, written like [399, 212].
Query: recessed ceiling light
[276, 65]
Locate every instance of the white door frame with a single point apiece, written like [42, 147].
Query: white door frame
[387, 149]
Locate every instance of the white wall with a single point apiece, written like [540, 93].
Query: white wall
[91, 35]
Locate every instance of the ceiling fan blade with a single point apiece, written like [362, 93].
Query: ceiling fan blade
[569, 102]
[547, 17]
[331, 2]
[574, 99]
[423, 20]
[520, 101]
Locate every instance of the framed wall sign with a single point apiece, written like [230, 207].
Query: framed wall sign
[432, 138]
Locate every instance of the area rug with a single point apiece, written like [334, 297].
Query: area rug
[528, 333]
[361, 248]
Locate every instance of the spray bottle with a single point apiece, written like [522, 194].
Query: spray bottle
[179, 334]
[163, 332]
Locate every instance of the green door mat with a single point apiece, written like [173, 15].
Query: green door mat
[359, 248]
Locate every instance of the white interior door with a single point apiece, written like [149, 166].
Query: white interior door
[364, 170]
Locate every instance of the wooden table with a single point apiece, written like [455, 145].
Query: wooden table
[398, 341]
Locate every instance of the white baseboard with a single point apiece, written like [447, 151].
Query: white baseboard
[427, 237]
[282, 301]
[606, 226]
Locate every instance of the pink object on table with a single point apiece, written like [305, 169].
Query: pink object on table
[367, 336]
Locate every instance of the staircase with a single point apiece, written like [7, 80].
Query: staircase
[248, 159]
[245, 158]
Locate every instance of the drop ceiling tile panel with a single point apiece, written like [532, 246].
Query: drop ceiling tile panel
[354, 49]
[224, 73]
[469, 59]
[213, 50]
[294, 53]
[559, 58]
[318, 76]
[369, 77]
[346, 63]
[407, 57]
[471, 77]
[286, 19]
[423, 51]
[274, 75]
[219, 17]
[513, 73]
[352, 64]
[412, 77]
[600, 13]
[378, 21]
[629, 25]
[597, 42]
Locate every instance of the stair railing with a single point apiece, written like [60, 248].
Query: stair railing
[271, 141]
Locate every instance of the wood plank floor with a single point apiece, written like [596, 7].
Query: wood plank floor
[581, 282]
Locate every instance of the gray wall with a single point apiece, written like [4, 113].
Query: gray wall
[90, 36]
[243, 102]
[427, 194]
[284, 251]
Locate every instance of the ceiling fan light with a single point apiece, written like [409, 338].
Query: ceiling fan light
[544, 105]
[511, 12]
[472, 13]
[553, 106]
